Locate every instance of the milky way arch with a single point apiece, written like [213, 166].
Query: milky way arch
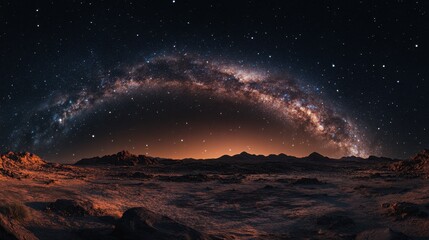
[281, 95]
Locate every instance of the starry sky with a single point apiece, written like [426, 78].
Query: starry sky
[201, 79]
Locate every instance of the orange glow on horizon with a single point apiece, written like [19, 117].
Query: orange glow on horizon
[219, 143]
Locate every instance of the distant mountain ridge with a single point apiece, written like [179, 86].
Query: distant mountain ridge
[312, 156]
[125, 158]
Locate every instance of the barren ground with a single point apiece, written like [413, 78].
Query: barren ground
[234, 200]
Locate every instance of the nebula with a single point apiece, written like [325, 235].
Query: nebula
[279, 95]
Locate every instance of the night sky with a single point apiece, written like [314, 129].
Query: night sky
[205, 78]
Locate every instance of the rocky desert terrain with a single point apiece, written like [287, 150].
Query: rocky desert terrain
[126, 196]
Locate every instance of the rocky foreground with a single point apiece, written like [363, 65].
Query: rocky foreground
[127, 196]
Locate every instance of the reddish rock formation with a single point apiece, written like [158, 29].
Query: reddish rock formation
[416, 166]
[12, 163]
[21, 160]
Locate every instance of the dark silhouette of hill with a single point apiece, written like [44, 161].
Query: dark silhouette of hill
[123, 158]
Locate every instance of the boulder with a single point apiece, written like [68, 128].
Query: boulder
[141, 223]
[75, 208]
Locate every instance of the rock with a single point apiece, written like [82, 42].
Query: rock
[123, 158]
[12, 163]
[17, 174]
[422, 155]
[21, 159]
[67, 207]
[381, 234]
[402, 210]
[141, 223]
[307, 181]
[335, 220]
[417, 166]
[12, 230]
